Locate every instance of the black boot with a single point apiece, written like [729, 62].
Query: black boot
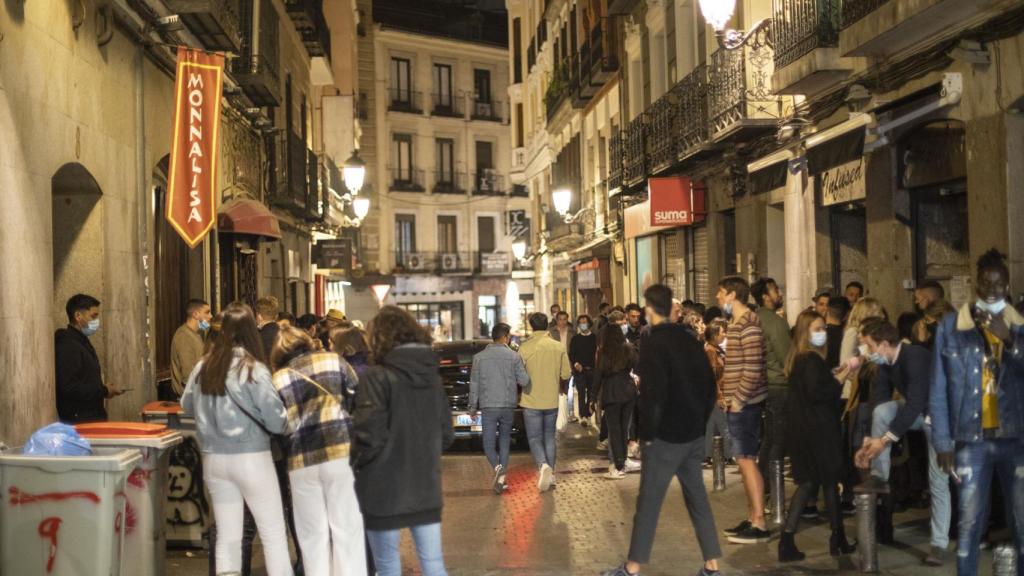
[787, 549]
[883, 527]
[838, 545]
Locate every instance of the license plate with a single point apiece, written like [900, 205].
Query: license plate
[467, 420]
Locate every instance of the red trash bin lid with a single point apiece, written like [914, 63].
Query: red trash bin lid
[120, 430]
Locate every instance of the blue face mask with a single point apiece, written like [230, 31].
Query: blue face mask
[625, 328]
[878, 359]
[727, 308]
[584, 327]
[818, 339]
[92, 327]
[204, 325]
[993, 308]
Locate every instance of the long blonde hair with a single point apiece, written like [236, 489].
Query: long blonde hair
[865, 308]
[802, 338]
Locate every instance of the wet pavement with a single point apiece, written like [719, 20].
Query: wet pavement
[583, 526]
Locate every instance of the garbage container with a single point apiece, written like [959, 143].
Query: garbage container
[146, 489]
[64, 515]
[187, 512]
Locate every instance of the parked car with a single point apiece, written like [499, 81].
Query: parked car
[456, 365]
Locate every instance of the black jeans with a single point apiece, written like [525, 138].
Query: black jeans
[773, 439]
[618, 417]
[663, 460]
[804, 494]
[582, 381]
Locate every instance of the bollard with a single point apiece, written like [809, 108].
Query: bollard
[866, 541]
[778, 487]
[1004, 560]
[718, 462]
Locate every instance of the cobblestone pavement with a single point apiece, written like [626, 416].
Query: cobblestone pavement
[583, 526]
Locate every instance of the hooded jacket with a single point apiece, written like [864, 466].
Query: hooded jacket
[80, 389]
[402, 423]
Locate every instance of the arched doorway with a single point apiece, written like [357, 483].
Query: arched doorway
[78, 240]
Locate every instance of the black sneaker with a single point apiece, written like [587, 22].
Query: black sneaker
[752, 535]
[706, 572]
[745, 525]
[620, 571]
[809, 512]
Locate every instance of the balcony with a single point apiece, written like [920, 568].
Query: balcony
[449, 182]
[213, 22]
[407, 101]
[407, 180]
[446, 105]
[316, 187]
[488, 110]
[289, 176]
[616, 152]
[855, 10]
[741, 104]
[519, 191]
[558, 89]
[258, 79]
[308, 18]
[599, 59]
[692, 117]
[807, 58]
[661, 139]
[634, 169]
[488, 183]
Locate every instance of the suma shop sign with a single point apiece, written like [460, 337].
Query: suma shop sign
[192, 176]
[842, 184]
[676, 201]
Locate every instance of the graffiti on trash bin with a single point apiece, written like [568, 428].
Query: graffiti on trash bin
[186, 500]
[18, 497]
[48, 528]
[139, 478]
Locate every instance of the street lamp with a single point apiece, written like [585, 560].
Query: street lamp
[717, 13]
[519, 249]
[354, 173]
[361, 207]
[562, 198]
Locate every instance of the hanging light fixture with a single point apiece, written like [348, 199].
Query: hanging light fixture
[354, 173]
[361, 207]
[519, 249]
[717, 13]
[562, 199]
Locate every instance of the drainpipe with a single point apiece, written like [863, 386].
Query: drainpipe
[143, 201]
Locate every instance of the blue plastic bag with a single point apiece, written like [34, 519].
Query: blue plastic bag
[57, 440]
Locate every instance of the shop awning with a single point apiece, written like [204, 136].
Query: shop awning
[247, 216]
[768, 178]
[838, 145]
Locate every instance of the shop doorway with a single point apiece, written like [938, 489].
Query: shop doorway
[849, 231]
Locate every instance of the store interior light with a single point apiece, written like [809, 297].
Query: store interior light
[519, 249]
[361, 206]
[562, 199]
[354, 173]
[717, 12]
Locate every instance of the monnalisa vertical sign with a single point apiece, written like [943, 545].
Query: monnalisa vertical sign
[192, 179]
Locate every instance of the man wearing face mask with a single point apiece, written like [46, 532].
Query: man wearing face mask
[977, 406]
[903, 368]
[582, 354]
[80, 389]
[188, 343]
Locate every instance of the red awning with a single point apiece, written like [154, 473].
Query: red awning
[246, 216]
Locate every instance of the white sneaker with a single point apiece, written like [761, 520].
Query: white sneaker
[498, 485]
[544, 482]
[614, 473]
[632, 465]
[634, 450]
[602, 446]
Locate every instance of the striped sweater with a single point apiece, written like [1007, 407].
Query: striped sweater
[744, 380]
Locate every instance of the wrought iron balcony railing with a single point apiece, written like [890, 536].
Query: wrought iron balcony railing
[315, 188]
[289, 173]
[599, 55]
[446, 104]
[800, 26]
[400, 100]
[308, 17]
[258, 79]
[635, 156]
[692, 116]
[661, 141]
[407, 179]
[488, 183]
[855, 10]
[616, 158]
[519, 191]
[740, 90]
[214, 22]
[491, 110]
[449, 182]
[559, 88]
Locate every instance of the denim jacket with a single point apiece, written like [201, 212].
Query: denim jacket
[498, 372]
[955, 399]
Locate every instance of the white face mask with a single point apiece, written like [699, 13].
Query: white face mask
[863, 351]
[722, 345]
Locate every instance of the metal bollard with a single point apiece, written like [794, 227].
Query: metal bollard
[867, 547]
[718, 462]
[1004, 560]
[778, 492]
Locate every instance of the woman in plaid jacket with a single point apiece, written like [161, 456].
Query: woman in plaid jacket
[313, 385]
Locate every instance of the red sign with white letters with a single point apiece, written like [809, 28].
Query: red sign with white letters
[676, 201]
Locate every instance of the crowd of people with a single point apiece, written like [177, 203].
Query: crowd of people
[331, 435]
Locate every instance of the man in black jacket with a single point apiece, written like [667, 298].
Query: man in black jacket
[677, 393]
[80, 389]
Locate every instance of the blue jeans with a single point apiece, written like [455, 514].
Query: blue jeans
[540, 431]
[938, 481]
[975, 464]
[717, 426]
[388, 558]
[497, 422]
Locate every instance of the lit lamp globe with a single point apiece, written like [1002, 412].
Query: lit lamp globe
[562, 198]
[717, 12]
[519, 249]
[361, 206]
[354, 173]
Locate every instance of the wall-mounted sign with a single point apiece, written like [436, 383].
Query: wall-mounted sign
[675, 201]
[844, 183]
[333, 254]
[494, 263]
[517, 224]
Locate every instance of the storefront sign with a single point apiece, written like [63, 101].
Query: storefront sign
[588, 279]
[192, 177]
[494, 263]
[675, 201]
[517, 224]
[844, 183]
[333, 254]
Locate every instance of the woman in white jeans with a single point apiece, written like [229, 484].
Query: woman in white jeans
[327, 518]
[232, 397]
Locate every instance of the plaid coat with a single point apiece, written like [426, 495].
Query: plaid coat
[319, 427]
